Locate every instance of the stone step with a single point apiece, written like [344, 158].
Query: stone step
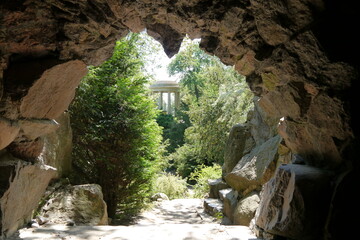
[215, 186]
[229, 198]
[213, 206]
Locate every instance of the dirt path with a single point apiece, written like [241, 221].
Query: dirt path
[176, 211]
[169, 220]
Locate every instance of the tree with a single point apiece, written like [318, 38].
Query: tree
[174, 128]
[116, 137]
[217, 98]
[189, 64]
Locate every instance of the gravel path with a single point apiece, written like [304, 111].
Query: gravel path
[180, 219]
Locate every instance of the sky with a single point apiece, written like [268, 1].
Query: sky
[159, 67]
[160, 72]
[158, 63]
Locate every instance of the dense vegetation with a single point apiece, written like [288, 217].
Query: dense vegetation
[116, 138]
[214, 98]
[116, 125]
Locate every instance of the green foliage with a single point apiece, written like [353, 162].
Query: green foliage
[116, 138]
[219, 215]
[189, 64]
[201, 175]
[184, 160]
[174, 129]
[173, 186]
[217, 98]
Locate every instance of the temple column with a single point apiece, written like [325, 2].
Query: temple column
[169, 103]
[177, 99]
[161, 101]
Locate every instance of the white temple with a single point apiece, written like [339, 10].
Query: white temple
[169, 88]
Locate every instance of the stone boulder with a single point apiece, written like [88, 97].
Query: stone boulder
[294, 202]
[81, 204]
[58, 146]
[255, 168]
[238, 144]
[246, 208]
[261, 123]
[215, 185]
[27, 184]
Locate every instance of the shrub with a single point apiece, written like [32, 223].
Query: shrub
[172, 185]
[201, 175]
[184, 160]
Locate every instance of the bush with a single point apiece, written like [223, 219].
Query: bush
[201, 175]
[173, 186]
[184, 161]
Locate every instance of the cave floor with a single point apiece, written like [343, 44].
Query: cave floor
[176, 219]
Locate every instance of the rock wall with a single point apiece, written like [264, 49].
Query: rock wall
[58, 146]
[23, 194]
[300, 58]
[253, 152]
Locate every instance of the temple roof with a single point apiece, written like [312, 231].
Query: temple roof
[165, 86]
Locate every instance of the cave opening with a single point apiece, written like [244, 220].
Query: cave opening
[211, 92]
[300, 59]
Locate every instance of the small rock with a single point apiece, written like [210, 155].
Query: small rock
[42, 220]
[33, 224]
[159, 197]
[70, 223]
[297, 159]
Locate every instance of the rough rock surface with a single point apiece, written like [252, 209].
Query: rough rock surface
[9, 130]
[246, 208]
[25, 149]
[255, 168]
[263, 125]
[42, 99]
[24, 193]
[294, 202]
[81, 204]
[35, 128]
[239, 143]
[58, 146]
